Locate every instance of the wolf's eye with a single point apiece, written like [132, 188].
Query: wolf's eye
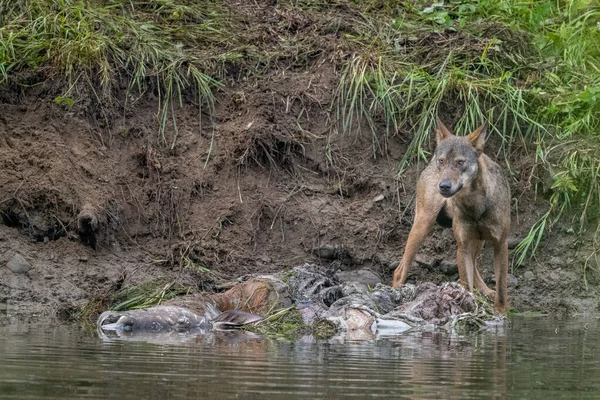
[441, 161]
[460, 163]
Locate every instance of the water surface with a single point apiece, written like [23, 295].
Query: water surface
[534, 358]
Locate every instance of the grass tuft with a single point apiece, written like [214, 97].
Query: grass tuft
[128, 298]
[287, 324]
[92, 45]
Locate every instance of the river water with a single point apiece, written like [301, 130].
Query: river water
[530, 358]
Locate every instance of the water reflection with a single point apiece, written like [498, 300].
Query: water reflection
[529, 359]
[207, 336]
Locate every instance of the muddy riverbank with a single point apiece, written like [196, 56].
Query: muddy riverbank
[93, 202]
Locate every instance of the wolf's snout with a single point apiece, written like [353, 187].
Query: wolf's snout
[445, 187]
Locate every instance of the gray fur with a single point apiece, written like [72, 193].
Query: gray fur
[172, 318]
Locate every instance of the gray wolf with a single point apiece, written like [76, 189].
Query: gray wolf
[463, 187]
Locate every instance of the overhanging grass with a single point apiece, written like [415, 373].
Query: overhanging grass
[162, 45]
[409, 99]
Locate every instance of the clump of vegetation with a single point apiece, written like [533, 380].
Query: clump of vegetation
[144, 296]
[287, 324]
[130, 297]
[93, 45]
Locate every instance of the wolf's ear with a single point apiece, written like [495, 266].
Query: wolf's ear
[441, 132]
[477, 138]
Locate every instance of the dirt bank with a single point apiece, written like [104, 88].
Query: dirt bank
[94, 202]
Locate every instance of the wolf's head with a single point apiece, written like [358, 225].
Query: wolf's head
[456, 158]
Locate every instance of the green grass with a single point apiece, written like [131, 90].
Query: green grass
[286, 324]
[161, 46]
[129, 298]
[143, 296]
[528, 314]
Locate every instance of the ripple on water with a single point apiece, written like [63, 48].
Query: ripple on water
[533, 358]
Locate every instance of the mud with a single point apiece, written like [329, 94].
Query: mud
[95, 203]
